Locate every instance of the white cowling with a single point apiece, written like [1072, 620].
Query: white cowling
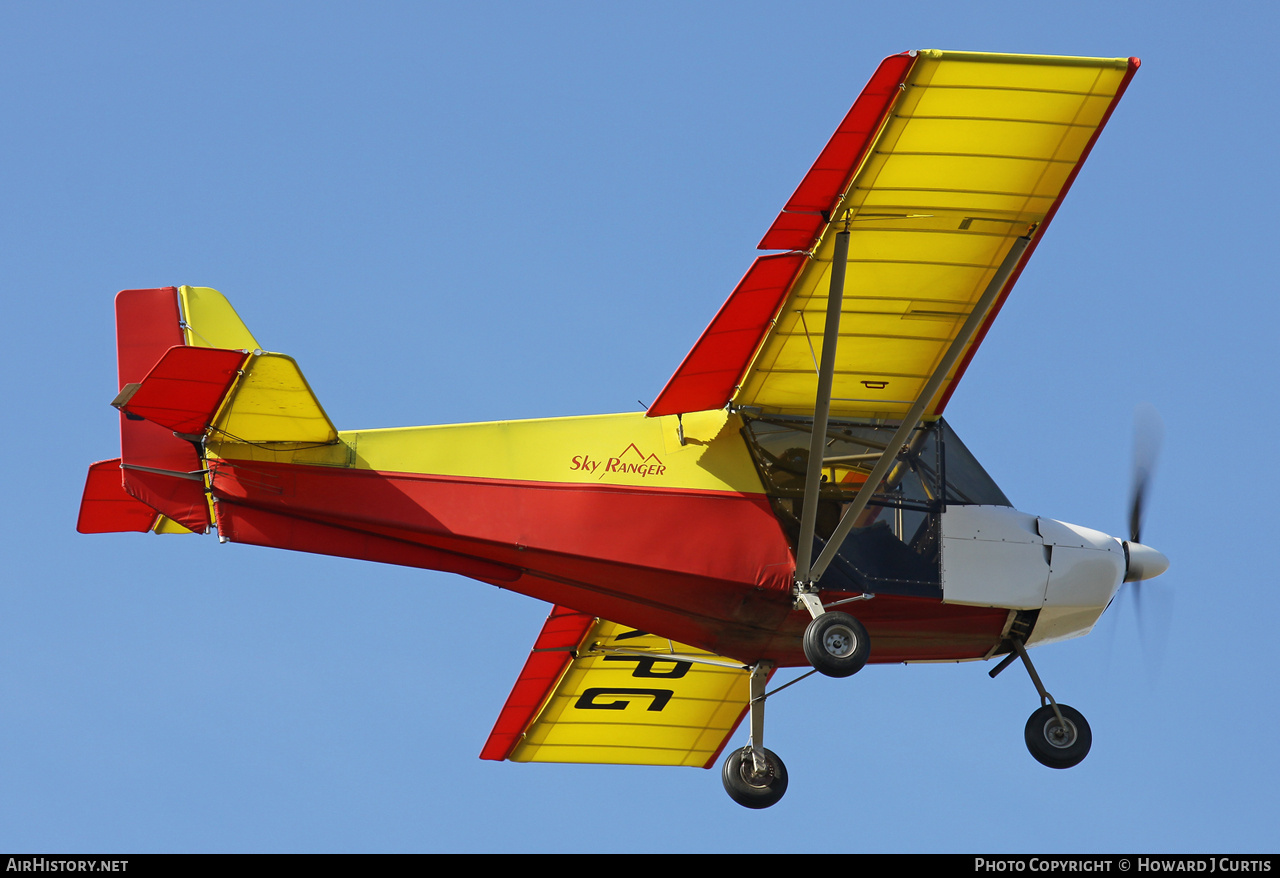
[996, 556]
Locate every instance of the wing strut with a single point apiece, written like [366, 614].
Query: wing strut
[909, 421]
[822, 408]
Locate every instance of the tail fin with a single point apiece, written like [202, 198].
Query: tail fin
[209, 321]
[188, 366]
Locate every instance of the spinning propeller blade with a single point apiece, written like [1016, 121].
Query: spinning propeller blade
[1148, 431]
[1145, 562]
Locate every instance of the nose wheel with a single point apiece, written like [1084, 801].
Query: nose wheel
[1058, 741]
[1057, 735]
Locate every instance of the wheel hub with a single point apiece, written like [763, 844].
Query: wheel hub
[839, 641]
[755, 778]
[1060, 734]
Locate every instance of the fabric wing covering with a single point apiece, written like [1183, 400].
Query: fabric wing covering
[944, 160]
[594, 691]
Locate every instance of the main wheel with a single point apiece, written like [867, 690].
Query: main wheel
[747, 788]
[836, 644]
[1054, 744]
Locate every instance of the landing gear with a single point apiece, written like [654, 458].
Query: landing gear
[754, 785]
[1058, 743]
[1057, 735]
[836, 644]
[753, 776]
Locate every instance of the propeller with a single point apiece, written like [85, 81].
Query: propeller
[1148, 432]
[1145, 562]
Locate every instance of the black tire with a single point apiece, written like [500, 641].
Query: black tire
[749, 791]
[1053, 746]
[836, 644]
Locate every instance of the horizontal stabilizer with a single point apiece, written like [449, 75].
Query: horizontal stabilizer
[184, 390]
[273, 402]
[106, 508]
[178, 495]
[594, 691]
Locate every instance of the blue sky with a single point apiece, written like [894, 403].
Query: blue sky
[521, 210]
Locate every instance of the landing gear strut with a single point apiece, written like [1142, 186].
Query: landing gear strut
[836, 644]
[753, 776]
[1057, 735]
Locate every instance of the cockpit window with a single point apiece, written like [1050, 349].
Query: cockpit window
[894, 546]
[932, 457]
[967, 482]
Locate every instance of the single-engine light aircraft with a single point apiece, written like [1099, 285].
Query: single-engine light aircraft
[792, 498]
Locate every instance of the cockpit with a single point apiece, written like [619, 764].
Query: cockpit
[895, 545]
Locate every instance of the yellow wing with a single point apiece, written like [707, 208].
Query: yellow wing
[620, 696]
[944, 161]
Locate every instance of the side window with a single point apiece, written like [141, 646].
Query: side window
[895, 545]
[967, 482]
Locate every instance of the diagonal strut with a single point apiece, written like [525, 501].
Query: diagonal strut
[909, 421]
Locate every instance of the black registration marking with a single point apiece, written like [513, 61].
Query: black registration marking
[587, 700]
[645, 666]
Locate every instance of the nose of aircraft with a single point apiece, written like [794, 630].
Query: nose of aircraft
[1144, 562]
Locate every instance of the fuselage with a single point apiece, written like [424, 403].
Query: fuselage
[660, 524]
